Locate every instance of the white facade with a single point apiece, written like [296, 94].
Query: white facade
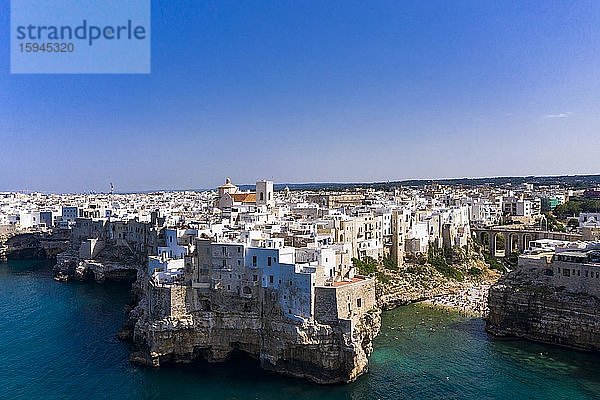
[589, 219]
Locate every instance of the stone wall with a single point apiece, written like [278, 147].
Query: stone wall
[178, 301]
[345, 301]
[90, 248]
[326, 308]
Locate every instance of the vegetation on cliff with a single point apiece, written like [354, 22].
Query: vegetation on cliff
[439, 272]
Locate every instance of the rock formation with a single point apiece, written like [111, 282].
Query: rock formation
[529, 308]
[113, 264]
[183, 324]
[33, 245]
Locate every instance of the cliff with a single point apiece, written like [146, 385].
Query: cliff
[33, 245]
[421, 282]
[113, 264]
[522, 306]
[183, 324]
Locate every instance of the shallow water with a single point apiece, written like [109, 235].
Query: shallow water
[57, 341]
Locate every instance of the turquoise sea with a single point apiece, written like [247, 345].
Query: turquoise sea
[57, 341]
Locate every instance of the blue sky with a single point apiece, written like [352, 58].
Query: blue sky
[309, 91]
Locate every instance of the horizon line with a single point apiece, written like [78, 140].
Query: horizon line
[349, 183]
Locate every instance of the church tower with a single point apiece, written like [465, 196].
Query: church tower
[264, 194]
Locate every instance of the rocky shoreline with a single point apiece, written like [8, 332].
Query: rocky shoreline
[69, 266]
[470, 300]
[33, 245]
[421, 283]
[180, 324]
[524, 308]
[189, 325]
[322, 353]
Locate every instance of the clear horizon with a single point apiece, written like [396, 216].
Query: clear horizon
[340, 91]
[242, 184]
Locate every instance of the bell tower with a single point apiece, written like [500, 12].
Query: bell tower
[264, 194]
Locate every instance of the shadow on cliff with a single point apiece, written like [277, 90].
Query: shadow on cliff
[239, 368]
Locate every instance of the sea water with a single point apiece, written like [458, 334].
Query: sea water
[58, 341]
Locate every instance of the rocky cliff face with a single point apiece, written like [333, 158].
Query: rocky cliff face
[417, 282]
[522, 306]
[70, 267]
[36, 245]
[183, 324]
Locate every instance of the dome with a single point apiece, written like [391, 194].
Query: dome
[227, 184]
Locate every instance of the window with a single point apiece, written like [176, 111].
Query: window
[224, 263]
[359, 302]
[270, 278]
[254, 261]
[254, 278]
[269, 261]
[239, 249]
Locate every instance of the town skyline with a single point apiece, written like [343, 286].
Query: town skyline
[331, 185]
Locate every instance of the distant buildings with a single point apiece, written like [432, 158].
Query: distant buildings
[573, 266]
[381, 224]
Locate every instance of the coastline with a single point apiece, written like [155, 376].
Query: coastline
[470, 300]
[414, 365]
[428, 287]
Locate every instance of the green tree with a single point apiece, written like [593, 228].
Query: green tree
[367, 266]
[390, 264]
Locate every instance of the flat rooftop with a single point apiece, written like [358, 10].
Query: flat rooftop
[573, 253]
[348, 282]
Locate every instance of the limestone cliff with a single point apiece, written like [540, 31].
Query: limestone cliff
[33, 245]
[525, 307]
[183, 324]
[105, 267]
[419, 282]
